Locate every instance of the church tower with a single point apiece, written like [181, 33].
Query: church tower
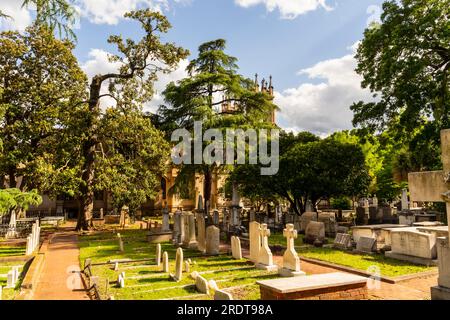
[267, 88]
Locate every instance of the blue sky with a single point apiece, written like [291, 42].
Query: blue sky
[304, 44]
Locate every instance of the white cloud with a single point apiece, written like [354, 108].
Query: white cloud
[323, 107]
[98, 63]
[112, 11]
[20, 17]
[289, 9]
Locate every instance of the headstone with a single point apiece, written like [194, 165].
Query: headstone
[116, 266]
[201, 232]
[404, 201]
[361, 216]
[236, 248]
[222, 295]
[165, 263]
[309, 206]
[315, 231]
[10, 283]
[255, 241]
[165, 220]
[186, 267]
[329, 220]
[212, 240]
[12, 232]
[200, 203]
[434, 186]
[216, 217]
[202, 285]
[306, 218]
[119, 238]
[158, 254]
[265, 258]
[121, 282]
[101, 213]
[366, 244]
[178, 229]
[178, 265]
[291, 261]
[189, 231]
[342, 241]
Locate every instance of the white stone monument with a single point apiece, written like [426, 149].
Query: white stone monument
[165, 262]
[255, 241]
[291, 261]
[265, 258]
[158, 254]
[178, 265]
[236, 250]
[212, 240]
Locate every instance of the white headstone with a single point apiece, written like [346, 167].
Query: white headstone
[236, 250]
[179, 265]
[265, 258]
[291, 261]
[212, 240]
[158, 254]
[165, 262]
[255, 241]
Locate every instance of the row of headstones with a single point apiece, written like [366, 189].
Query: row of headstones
[343, 241]
[33, 238]
[11, 278]
[261, 254]
[207, 239]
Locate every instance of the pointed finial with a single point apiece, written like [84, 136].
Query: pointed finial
[256, 78]
[270, 81]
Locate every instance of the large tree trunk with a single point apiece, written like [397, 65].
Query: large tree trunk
[87, 190]
[207, 184]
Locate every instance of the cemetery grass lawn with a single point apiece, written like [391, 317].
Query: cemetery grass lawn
[5, 267]
[9, 251]
[145, 281]
[388, 267]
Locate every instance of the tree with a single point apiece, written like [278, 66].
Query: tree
[215, 94]
[40, 80]
[131, 87]
[14, 199]
[405, 60]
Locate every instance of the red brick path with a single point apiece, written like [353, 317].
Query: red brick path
[57, 280]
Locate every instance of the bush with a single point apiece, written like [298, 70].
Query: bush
[342, 203]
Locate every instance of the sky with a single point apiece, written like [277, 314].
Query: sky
[307, 46]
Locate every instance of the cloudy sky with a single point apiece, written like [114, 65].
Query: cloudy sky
[306, 45]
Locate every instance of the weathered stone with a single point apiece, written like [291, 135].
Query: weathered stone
[414, 243]
[216, 217]
[165, 262]
[255, 241]
[158, 254]
[165, 220]
[119, 238]
[342, 241]
[329, 221]
[306, 218]
[212, 240]
[178, 265]
[222, 295]
[315, 231]
[236, 250]
[291, 261]
[201, 232]
[189, 231]
[265, 258]
[201, 284]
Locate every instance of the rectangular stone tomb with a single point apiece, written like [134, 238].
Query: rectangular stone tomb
[157, 237]
[372, 231]
[413, 246]
[329, 286]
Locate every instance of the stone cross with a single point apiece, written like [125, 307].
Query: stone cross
[165, 262]
[265, 258]
[434, 186]
[158, 254]
[291, 261]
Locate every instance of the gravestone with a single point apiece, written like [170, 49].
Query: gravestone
[216, 217]
[165, 262]
[158, 254]
[236, 250]
[265, 258]
[178, 265]
[212, 240]
[201, 284]
[434, 186]
[255, 241]
[165, 220]
[291, 261]
[177, 227]
[315, 231]
[201, 232]
[342, 241]
[404, 201]
[361, 216]
[121, 281]
[222, 295]
[186, 266]
[410, 244]
[119, 238]
[329, 220]
[366, 245]
[306, 218]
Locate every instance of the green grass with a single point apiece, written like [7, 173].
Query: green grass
[388, 267]
[145, 281]
[9, 251]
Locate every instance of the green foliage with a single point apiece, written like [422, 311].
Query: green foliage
[14, 199]
[310, 169]
[406, 59]
[343, 203]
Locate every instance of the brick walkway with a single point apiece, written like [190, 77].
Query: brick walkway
[414, 289]
[57, 280]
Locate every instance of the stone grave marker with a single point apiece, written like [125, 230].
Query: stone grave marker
[202, 285]
[434, 186]
[216, 217]
[342, 241]
[212, 240]
[315, 231]
[236, 250]
[265, 258]
[291, 261]
[186, 266]
[119, 238]
[165, 220]
[178, 265]
[222, 295]
[158, 254]
[201, 232]
[410, 244]
[306, 218]
[366, 245]
[255, 241]
[165, 262]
